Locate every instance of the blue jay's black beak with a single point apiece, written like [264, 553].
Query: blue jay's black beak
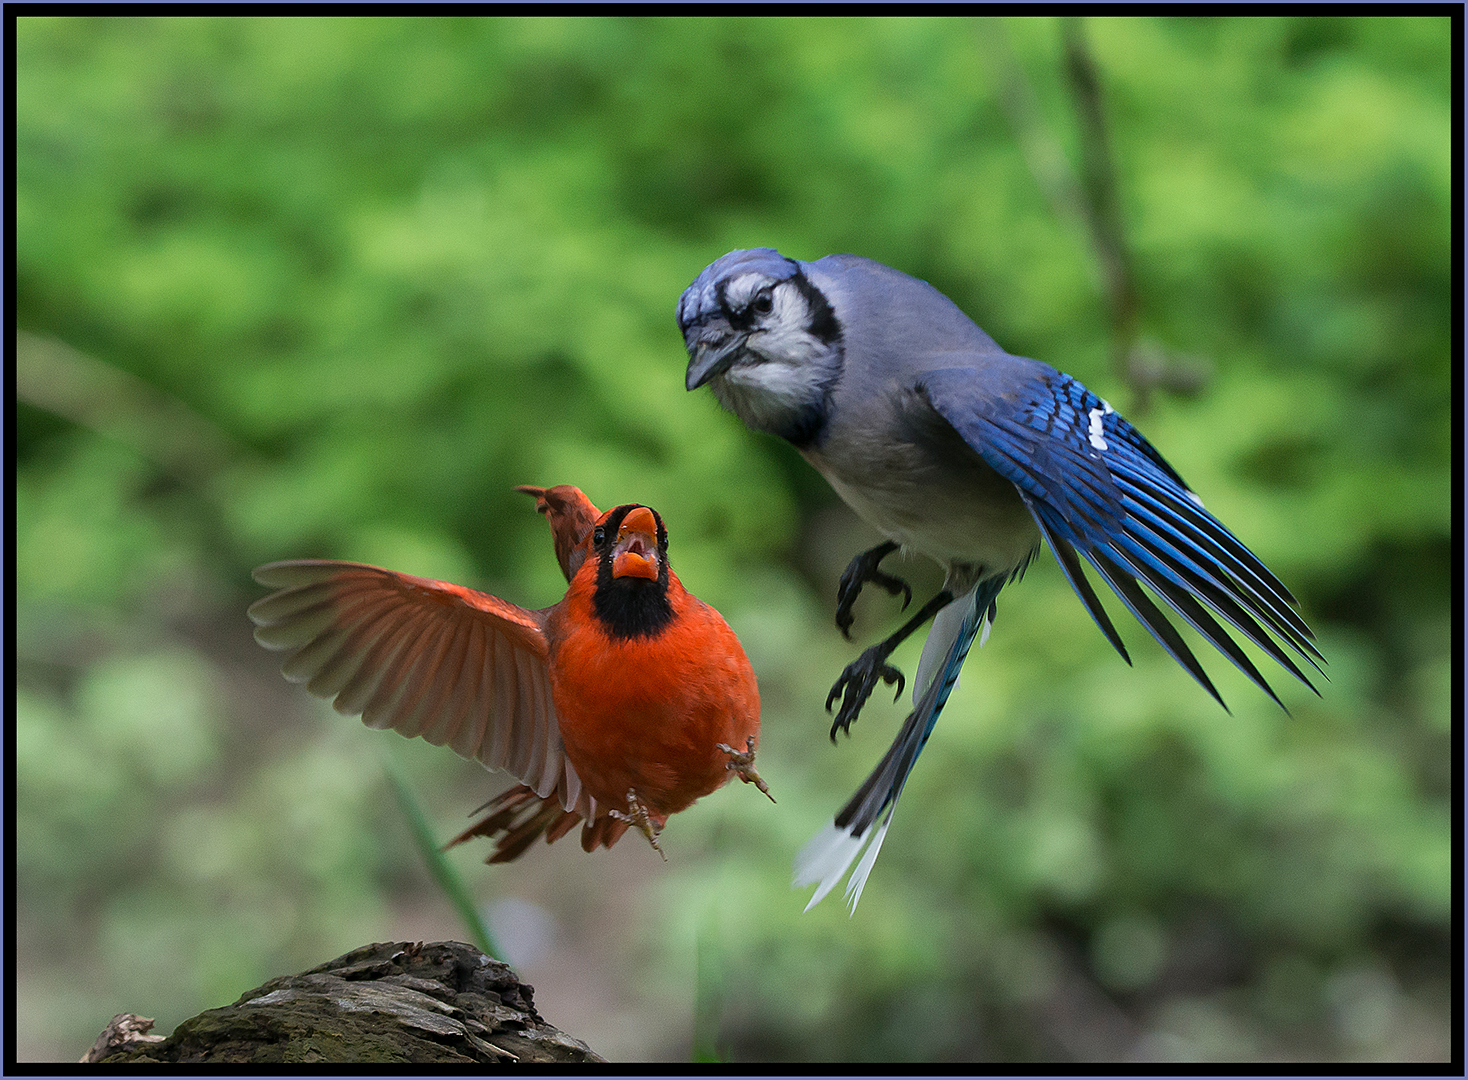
[712, 347]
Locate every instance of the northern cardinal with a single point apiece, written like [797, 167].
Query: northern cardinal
[620, 705]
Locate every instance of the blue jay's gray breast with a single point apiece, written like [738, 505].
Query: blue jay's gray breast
[907, 473]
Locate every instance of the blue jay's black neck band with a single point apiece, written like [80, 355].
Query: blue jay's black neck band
[810, 424]
[807, 426]
[823, 322]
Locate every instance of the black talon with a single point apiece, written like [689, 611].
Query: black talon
[861, 570]
[861, 676]
[857, 682]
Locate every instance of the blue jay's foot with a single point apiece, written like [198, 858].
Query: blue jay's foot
[858, 572]
[742, 762]
[862, 675]
[859, 680]
[640, 818]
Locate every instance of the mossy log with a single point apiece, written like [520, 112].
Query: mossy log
[399, 1002]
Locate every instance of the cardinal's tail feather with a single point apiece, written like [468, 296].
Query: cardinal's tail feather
[515, 819]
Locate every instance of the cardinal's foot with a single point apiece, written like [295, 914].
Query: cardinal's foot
[742, 762]
[861, 570]
[642, 819]
[857, 682]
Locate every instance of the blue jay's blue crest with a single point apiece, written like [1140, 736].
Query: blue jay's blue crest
[710, 292]
[954, 448]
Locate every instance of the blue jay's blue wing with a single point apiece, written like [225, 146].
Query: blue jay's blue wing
[1096, 487]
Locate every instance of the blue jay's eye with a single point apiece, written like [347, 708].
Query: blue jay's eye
[763, 304]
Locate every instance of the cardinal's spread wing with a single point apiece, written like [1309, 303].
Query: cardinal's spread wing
[423, 657]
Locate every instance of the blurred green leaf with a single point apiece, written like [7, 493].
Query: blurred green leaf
[444, 875]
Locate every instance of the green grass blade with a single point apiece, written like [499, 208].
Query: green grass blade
[708, 990]
[443, 871]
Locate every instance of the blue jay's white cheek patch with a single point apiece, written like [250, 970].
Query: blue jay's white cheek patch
[785, 334]
[790, 311]
[765, 394]
[785, 344]
[784, 381]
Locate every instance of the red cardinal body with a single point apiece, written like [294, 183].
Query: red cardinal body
[621, 705]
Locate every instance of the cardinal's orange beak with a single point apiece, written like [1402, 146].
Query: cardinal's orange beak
[636, 553]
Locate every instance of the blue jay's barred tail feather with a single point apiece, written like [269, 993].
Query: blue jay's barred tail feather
[824, 860]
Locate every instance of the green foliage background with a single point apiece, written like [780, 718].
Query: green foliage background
[300, 287]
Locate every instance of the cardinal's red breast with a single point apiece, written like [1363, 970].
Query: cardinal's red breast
[647, 711]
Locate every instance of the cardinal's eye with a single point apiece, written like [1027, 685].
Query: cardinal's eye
[763, 304]
[598, 535]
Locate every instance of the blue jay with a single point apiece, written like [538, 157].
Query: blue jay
[952, 447]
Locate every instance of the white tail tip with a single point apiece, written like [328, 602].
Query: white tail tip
[826, 857]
